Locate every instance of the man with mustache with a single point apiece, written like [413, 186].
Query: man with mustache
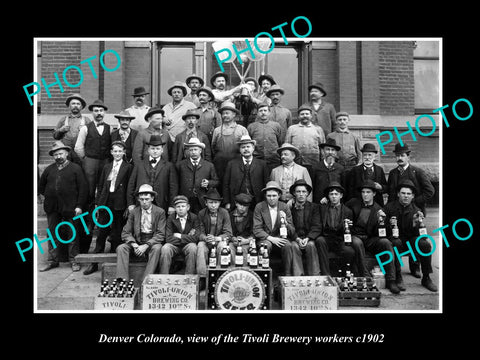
[220, 91]
[65, 189]
[194, 83]
[93, 147]
[139, 109]
[278, 112]
[323, 112]
[209, 116]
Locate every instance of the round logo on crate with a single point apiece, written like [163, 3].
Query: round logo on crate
[239, 289]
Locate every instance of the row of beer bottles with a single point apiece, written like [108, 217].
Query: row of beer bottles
[382, 230]
[255, 258]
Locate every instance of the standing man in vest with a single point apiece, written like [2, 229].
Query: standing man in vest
[93, 147]
[139, 109]
[125, 134]
[69, 126]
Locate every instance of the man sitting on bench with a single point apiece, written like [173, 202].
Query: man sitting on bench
[144, 233]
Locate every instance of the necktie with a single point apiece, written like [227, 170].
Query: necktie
[401, 170]
[369, 171]
[114, 175]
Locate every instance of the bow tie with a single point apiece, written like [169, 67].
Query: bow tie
[153, 161]
[299, 206]
[213, 214]
[100, 124]
[366, 206]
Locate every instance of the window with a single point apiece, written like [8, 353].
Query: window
[426, 75]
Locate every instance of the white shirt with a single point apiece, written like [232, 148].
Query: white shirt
[113, 174]
[273, 214]
[139, 122]
[183, 221]
[146, 221]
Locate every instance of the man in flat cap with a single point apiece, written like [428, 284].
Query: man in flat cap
[182, 233]
[179, 153]
[323, 112]
[307, 137]
[93, 148]
[407, 217]
[289, 172]
[245, 174]
[268, 134]
[143, 235]
[210, 118]
[125, 133]
[65, 189]
[154, 117]
[269, 217]
[194, 83]
[367, 170]
[157, 172]
[68, 127]
[139, 109]
[175, 109]
[278, 112]
[196, 175]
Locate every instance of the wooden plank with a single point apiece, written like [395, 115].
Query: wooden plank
[96, 258]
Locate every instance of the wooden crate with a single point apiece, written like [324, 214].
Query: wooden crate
[116, 303]
[369, 298]
[308, 293]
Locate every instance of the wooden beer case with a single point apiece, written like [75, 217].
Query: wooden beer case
[170, 292]
[308, 293]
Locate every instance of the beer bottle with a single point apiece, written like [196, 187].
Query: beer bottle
[283, 228]
[348, 272]
[347, 237]
[422, 230]
[224, 256]
[260, 255]
[382, 230]
[212, 260]
[265, 260]
[253, 262]
[395, 231]
[239, 256]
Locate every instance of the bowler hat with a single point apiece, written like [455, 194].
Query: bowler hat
[194, 142]
[217, 74]
[152, 111]
[146, 189]
[177, 84]
[193, 76]
[333, 185]
[156, 140]
[180, 199]
[407, 183]
[78, 97]
[274, 88]
[191, 112]
[246, 139]
[138, 91]
[213, 194]
[287, 146]
[266, 77]
[319, 86]
[124, 115]
[57, 145]
[369, 147]
[368, 184]
[272, 185]
[244, 199]
[305, 107]
[300, 182]
[331, 143]
[401, 149]
[228, 105]
[247, 79]
[207, 90]
[97, 103]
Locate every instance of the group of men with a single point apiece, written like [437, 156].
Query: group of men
[232, 167]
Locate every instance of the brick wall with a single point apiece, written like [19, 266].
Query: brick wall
[324, 70]
[137, 73]
[395, 59]
[347, 76]
[56, 56]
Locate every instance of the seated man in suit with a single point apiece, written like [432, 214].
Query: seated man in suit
[334, 214]
[182, 232]
[112, 192]
[215, 228]
[273, 226]
[308, 227]
[143, 234]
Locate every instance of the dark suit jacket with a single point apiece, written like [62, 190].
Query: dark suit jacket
[425, 189]
[163, 179]
[262, 223]
[180, 139]
[140, 147]
[404, 219]
[322, 177]
[70, 192]
[131, 230]
[190, 181]
[115, 135]
[345, 213]
[223, 228]
[235, 178]
[355, 205]
[356, 177]
[174, 226]
[312, 221]
[119, 196]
